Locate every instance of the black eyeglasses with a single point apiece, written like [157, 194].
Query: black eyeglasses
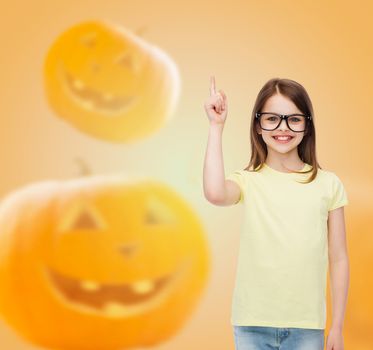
[270, 121]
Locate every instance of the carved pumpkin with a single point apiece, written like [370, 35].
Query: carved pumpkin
[99, 262]
[110, 83]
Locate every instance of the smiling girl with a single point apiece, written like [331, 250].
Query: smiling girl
[293, 227]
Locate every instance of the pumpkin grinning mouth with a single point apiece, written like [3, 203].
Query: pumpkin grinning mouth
[92, 99]
[115, 299]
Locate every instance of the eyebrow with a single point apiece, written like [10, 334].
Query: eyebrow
[296, 113]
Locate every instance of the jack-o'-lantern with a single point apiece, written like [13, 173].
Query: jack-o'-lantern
[110, 83]
[99, 262]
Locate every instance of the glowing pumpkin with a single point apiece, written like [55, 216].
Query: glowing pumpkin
[110, 83]
[99, 262]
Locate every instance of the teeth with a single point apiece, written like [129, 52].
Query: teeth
[142, 287]
[87, 104]
[108, 97]
[89, 285]
[114, 309]
[282, 138]
[78, 84]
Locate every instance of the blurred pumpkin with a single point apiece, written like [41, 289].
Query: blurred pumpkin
[109, 82]
[99, 262]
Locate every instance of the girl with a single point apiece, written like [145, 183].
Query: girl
[293, 227]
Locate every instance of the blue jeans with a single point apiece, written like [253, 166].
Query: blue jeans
[274, 338]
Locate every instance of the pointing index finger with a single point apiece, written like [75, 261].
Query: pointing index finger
[212, 85]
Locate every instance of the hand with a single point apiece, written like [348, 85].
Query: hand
[216, 105]
[334, 340]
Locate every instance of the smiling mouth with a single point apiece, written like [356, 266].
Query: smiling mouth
[94, 100]
[114, 300]
[283, 139]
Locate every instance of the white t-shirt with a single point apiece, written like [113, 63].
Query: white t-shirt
[283, 252]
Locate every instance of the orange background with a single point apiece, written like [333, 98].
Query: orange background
[326, 46]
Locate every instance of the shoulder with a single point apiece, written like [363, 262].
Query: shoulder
[329, 176]
[336, 190]
[329, 181]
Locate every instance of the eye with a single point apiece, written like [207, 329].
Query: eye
[158, 212]
[81, 216]
[126, 60]
[85, 220]
[89, 40]
[129, 61]
[272, 117]
[151, 218]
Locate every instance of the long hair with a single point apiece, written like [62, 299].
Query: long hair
[307, 147]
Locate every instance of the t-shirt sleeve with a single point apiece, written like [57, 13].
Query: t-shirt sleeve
[238, 177]
[339, 195]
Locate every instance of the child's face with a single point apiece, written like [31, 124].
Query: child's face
[281, 105]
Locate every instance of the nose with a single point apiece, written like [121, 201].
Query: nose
[128, 249]
[283, 125]
[95, 67]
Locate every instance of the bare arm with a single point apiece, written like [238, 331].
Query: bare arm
[339, 271]
[217, 190]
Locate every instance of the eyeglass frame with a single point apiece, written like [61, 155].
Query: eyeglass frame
[284, 116]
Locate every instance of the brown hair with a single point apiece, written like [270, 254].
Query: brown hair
[298, 95]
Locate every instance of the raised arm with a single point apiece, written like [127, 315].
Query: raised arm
[216, 189]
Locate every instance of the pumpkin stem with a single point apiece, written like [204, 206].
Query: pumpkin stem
[140, 31]
[84, 167]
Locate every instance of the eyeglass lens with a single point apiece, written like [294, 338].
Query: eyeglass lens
[271, 121]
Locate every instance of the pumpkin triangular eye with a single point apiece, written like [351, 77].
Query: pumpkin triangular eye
[150, 218]
[89, 40]
[125, 59]
[81, 216]
[158, 212]
[130, 61]
[85, 221]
